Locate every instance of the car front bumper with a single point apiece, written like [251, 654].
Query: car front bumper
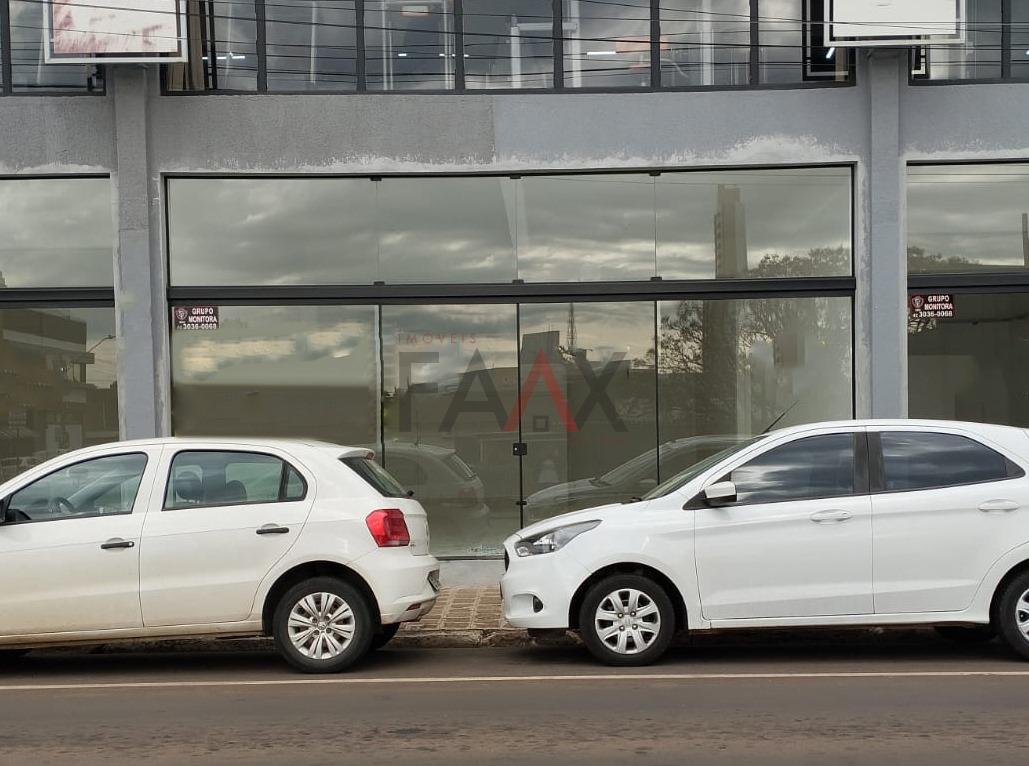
[538, 590]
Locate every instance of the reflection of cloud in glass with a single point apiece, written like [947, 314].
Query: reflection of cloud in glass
[973, 212]
[56, 232]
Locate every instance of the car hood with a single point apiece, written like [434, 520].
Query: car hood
[601, 512]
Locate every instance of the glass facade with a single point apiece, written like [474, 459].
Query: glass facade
[996, 46]
[58, 359]
[501, 412]
[417, 45]
[29, 72]
[967, 218]
[490, 229]
[56, 232]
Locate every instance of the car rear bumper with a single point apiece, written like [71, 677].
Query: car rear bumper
[401, 583]
[538, 590]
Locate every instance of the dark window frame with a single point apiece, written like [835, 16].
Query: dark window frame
[877, 463]
[6, 68]
[5, 503]
[805, 80]
[283, 480]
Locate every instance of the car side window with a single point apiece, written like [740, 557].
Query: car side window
[805, 469]
[104, 486]
[212, 478]
[915, 460]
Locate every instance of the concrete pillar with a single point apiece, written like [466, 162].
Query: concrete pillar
[886, 276]
[138, 285]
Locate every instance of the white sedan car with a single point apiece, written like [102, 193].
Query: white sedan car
[312, 543]
[852, 523]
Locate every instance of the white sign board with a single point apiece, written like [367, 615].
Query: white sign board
[115, 31]
[895, 22]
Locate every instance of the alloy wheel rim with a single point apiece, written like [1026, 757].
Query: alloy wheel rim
[321, 626]
[1022, 615]
[627, 621]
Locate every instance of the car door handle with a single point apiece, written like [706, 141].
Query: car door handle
[273, 529]
[998, 505]
[115, 543]
[824, 517]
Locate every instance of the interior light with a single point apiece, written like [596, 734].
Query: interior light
[601, 53]
[402, 55]
[830, 53]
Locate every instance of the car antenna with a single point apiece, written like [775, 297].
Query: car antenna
[781, 416]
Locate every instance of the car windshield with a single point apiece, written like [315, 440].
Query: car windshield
[685, 477]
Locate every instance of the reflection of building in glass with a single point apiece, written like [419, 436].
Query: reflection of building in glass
[48, 405]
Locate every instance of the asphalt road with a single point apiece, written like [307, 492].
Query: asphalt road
[820, 702]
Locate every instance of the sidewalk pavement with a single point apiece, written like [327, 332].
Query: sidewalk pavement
[463, 617]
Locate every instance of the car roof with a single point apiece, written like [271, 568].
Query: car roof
[336, 450]
[898, 423]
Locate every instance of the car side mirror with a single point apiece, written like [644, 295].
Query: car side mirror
[720, 493]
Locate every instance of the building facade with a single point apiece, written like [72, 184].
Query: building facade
[537, 255]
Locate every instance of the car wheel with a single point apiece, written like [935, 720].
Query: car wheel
[627, 620]
[1013, 614]
[967, 634]
[385, 635]
[323, 625]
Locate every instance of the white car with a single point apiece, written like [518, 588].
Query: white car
[312, 543]
[852, 523]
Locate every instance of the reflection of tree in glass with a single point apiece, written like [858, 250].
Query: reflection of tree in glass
[707, 349]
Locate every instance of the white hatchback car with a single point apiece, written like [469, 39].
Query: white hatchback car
[312, 543]
[851, 523]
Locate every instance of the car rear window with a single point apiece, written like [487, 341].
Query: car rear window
[375, 475]
[460, 467]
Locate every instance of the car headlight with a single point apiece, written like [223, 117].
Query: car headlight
[552, 540]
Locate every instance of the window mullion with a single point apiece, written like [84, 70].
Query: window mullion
[1005, 38]
[655, 43]
[260, 20]
[458, 10]
[559, 49]
[5, 47]
[755, 44]
[362, 80]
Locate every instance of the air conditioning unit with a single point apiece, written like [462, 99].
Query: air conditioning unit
[895, 23]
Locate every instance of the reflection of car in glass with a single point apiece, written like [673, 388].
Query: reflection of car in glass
[633, 478]
[311, 543]
[778, 531]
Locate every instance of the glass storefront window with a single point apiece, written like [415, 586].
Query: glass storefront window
[972, 366]
[508, 44]
[58, 369]
[732, 367]
[966, 218]
[483, 229]
[606, 45]
[311, 45]
[705, 43]
[263, 231]
[1020, 40]
[56, 232]
[29, 72]
[434, 230]
[409, 45]
[586, 228]
[279, 371]
[761, 223]
[450, 383]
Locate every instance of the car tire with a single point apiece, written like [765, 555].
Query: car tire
[620, 636]
[967, 634]
[1012, 618]
[384, 636]
[9, 656]
[323, 625]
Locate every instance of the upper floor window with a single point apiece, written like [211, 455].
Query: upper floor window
[22, 66]
[996, 46]
[447, 45]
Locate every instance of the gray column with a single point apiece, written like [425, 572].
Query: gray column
[139, 312]
[887, 269]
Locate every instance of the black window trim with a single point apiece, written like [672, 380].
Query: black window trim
[286, 465]
[921, 57]
[4, 504]
[805, 81]
[878, 463]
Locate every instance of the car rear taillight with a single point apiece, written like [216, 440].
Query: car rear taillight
[388, 528]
